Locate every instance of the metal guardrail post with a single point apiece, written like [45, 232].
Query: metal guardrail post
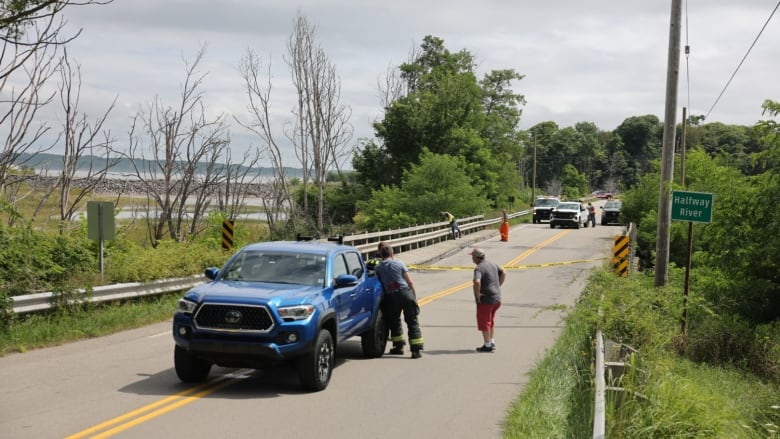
[599, 406]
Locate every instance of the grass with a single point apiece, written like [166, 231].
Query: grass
[65, 326]
[665, 395]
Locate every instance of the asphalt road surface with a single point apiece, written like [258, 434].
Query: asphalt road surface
[124, 385]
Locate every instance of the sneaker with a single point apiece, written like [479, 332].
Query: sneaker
[484, 348]
[416, 354]
[396, 351]
[493, 345]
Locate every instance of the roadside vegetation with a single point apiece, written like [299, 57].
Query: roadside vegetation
[667, 391]
[449, 140]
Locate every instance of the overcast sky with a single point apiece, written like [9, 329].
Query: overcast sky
[597, 61]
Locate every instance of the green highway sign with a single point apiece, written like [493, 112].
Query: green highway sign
[692, 206]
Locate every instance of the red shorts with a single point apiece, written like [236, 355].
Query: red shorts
[486, 315]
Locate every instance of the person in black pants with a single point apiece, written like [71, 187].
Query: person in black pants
[399, 297]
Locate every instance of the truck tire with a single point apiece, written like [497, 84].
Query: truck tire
[316, 367]
[190, 369]
[374, 341]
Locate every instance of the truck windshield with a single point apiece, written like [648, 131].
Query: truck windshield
[545, 202]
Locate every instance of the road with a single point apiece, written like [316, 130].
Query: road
[124, 385]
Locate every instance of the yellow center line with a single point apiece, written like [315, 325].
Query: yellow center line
[174, 401]
[535, 248]
[452, 290]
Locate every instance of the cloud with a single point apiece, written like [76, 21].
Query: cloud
[597, 61]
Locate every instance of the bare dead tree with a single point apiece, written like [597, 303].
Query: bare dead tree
[84, 144]
[393, 85]
[22, 97]
[321, 130]
[240, 179]
[277, 201]
[177, 163]
[31, 33]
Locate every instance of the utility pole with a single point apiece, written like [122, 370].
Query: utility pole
[533, 185]
[667, 150]
[682, 146]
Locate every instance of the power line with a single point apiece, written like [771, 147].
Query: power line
[743, 60]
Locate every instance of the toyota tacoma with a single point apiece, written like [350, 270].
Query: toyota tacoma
[285, 302]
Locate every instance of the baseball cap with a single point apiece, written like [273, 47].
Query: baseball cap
[478, 252]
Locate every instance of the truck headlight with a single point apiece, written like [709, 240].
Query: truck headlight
[185, 306]
[297, 312]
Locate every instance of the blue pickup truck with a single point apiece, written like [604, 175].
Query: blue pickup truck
[284, 302]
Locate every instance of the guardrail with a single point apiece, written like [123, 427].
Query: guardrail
[607, 361]
[411, 238]
[107, 293]
[404, 239]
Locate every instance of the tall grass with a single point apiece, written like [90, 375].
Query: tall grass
[85, 321]
[662, 393]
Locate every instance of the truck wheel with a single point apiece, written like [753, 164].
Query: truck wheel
[374, 341]
[552, 226]
[190, 369]
[578, 224]
[315, 368]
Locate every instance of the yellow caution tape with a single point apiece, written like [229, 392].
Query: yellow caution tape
[506, 267]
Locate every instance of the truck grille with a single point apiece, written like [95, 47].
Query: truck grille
[234, 318]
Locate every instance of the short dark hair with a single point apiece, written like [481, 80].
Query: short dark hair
[385, 250]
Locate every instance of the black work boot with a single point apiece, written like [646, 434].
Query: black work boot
[397, 349]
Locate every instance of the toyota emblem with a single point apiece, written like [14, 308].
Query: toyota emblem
[233, 317]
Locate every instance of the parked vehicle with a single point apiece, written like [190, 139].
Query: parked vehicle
[286, 302]
[542, 208]
[569, 214]
[610, 212]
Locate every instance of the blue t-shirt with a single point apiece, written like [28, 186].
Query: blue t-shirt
[391, 274]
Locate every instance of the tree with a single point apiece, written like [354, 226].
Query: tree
[178, 162]
[591, 152]
[574, 184]
[447, 111]
[641, 139]
[25, 134]
[319, 133]
[31, 34]
[321, 130]
[277, 197]
[438, 183]
[17, 15]
[737, 242]
[240, 181]
[541, 138]
[83, 141]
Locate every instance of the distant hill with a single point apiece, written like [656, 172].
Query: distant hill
[53, 163]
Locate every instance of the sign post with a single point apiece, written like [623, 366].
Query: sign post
[100, 225]
[691, 207]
